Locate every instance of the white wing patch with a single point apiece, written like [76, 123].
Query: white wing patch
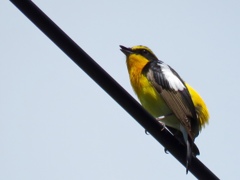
[174, 81]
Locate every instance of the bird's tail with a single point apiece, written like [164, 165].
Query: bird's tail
[178, 135]
[189, 153]
[186, 140]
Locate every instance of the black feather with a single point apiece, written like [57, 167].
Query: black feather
[179, 101]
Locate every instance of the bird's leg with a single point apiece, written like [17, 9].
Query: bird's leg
[160, 118]
[162, 123]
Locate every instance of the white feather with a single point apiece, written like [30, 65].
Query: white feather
[174, 82]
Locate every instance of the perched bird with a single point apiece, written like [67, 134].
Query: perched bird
[164, 94]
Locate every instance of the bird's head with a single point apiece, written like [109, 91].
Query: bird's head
[139, 51]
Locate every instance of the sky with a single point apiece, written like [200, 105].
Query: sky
[57, 123]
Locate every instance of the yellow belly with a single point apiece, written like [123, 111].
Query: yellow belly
[153, 102]
[150, 99]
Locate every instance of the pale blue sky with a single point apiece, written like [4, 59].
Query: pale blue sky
[56, 123]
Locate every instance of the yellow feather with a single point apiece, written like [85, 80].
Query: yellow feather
[200, 106]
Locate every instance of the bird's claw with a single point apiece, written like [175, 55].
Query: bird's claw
[165, 150]
[146, 132]
[159, 120]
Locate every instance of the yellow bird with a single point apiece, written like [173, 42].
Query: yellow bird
[164, 94]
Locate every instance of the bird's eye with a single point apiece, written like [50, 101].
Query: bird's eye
[144, 51]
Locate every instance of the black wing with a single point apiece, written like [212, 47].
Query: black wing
[174, 92]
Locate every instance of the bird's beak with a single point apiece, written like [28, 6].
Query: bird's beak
[125, 50]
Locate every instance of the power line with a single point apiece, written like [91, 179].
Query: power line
[106, 82]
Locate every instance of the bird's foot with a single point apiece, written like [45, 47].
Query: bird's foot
[160, 118]
[146, 132]
[163, 124]
[165, 150]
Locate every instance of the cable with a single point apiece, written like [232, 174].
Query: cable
[106, 82]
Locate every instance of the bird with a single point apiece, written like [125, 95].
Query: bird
[166, 96]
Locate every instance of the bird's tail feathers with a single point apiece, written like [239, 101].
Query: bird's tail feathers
[189, 153]
[178, 135]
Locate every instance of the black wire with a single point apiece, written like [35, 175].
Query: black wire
[104, 80]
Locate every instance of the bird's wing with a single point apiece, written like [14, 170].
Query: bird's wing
[174, 92]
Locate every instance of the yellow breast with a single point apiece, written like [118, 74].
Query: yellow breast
[147, 95]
